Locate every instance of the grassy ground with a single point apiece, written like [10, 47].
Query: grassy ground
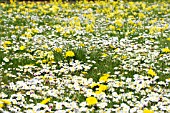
[85, 57]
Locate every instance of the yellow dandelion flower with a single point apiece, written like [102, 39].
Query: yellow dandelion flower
[168, 39]
[91, 101]
[111, 46]
[104, 55]
[69, 54]
[44, 61]
[147, 111]
[5, 101]
[106, 74]
[45, 46]
[115, 56]
[103, 79]
[131, 22]
[102, 87]
[45, 101]
[160, 55]
[81, 45]
[119, 23]
[98, 92]
[111, 27]
[1, 105]
[89, 28]
[22, 47]
[124, 57]
[29, 36]
[141, 15]
[12, 1]
[58, 50]
[151, 72]
[166, 50]
[94, 84]
[7, 42]
[84, 73]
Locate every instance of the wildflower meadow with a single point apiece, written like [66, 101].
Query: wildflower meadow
[85, 57]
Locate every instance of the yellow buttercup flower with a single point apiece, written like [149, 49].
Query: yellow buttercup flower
[69, 54]
[91, 101]
[45, 101]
